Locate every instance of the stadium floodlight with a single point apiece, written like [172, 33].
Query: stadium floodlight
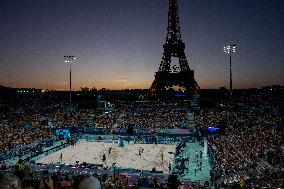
[230, 49]
[70, 59]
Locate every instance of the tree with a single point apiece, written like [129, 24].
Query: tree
[93, 91]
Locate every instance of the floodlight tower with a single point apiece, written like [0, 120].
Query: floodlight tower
[230, 49]
[70, 59]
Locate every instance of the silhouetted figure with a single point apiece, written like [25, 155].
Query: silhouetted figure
[104, 158]
[170, 168]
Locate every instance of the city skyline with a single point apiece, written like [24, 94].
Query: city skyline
[118, 44]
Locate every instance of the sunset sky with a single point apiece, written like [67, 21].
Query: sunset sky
[118, 43]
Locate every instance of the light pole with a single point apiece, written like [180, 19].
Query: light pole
[70, 59]
[230, 49]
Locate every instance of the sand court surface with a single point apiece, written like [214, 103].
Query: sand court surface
[124, 157]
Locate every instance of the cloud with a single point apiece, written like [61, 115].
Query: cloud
[59, 89]
[122, 76]
[58, 83]
[121, 80]
[127, 85]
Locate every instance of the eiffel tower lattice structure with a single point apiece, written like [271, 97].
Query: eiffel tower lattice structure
[169, 76]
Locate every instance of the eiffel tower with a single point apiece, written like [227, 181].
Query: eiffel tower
[173, 76]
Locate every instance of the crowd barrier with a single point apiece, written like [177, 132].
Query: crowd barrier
[159, 132]
[123, 132]
[95, 130]
[135, 139]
